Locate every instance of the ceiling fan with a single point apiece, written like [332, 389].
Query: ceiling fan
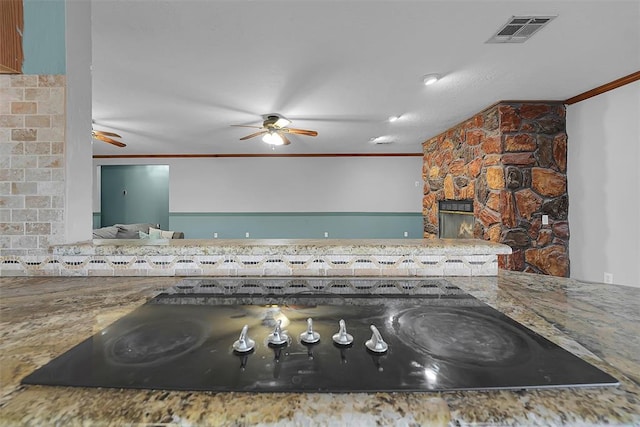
[107, 137]
[274, 130]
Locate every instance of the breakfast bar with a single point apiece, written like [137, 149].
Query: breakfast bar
[263, 257]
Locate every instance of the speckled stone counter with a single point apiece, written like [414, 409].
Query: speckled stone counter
[43, 317]
[263, 257]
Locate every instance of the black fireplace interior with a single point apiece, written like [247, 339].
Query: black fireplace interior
[438, 338]
[456, 219]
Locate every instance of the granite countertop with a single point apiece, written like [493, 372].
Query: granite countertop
[281, 246]
[43, 317]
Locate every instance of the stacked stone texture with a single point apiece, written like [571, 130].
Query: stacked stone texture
[511, 160]
[32, 181]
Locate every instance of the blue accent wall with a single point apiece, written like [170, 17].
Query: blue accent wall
[43, 41]
[298, 225]
[135, 194]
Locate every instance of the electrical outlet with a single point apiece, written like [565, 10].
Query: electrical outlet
[545, 219]
[246, 234]
[608, 277]
[326, 234]
[215, 235]
[406, 234]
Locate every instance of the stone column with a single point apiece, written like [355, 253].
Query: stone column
[32, 123]
[511, 160]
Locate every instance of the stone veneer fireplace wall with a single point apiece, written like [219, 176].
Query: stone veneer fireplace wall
[511, 160]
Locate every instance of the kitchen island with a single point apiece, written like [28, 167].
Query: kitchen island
[43, 317]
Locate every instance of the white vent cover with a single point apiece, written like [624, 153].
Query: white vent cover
[518, 29]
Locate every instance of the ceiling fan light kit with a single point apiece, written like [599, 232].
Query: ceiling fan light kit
[273, 138]
[274, 130]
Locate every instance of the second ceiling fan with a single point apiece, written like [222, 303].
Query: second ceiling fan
[274, 130]
[107, 137]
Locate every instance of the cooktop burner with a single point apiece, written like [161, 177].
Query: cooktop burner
[317, 335]
[462, 336]
[142, 345]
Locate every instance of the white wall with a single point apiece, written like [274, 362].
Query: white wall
[78, 150]
[604, 186]
[288, 184]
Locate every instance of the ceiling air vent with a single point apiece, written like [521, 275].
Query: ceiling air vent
[518, 29]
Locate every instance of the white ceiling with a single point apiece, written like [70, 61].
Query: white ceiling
[172, 76]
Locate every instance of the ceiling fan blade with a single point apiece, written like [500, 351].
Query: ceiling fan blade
[99, 132]
[262, 132]
[109, 140]
[302, 131]
[285, 139]
[246, 126]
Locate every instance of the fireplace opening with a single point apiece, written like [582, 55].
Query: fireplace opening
[456, 219]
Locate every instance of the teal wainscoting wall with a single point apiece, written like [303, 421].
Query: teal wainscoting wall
[298, 225]
[97, 220]
[294, 225]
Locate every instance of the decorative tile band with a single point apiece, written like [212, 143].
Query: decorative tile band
[250, 265]
[200, 290]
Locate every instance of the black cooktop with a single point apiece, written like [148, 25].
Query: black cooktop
[437, 338]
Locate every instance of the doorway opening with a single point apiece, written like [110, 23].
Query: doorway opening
[131, 194]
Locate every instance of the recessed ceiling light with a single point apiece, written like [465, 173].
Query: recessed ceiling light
[430, 79]
[378, 140]
[393, 118]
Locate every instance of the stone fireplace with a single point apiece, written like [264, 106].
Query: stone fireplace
[510, 160]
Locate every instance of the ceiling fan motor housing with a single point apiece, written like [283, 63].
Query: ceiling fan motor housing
[270, 121]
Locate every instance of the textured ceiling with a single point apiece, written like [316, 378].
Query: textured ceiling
[172, 76]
